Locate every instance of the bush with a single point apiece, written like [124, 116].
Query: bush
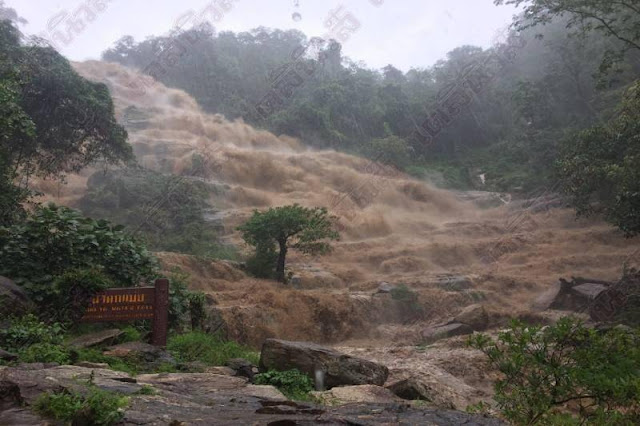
[45, 352]
[566, 374]
[28, 330]
[197, 305]
[184, 305]
[208, 349]
[54, 240]
[71, 292]
[98, 407]
[293, 383]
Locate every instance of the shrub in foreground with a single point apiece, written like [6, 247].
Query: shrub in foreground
[292, 383]
[28, 330]
[98, 407]
[566, 374]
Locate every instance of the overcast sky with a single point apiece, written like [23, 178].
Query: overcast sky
[405, 33]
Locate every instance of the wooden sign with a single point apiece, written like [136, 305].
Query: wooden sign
[131, 304]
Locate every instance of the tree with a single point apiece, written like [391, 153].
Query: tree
[53, 120]
[287, 227]
[54, 240]
[617, 19]
[14, 123]
[566, 374]
[600, 167]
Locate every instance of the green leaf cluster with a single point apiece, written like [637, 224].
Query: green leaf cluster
[566, 373]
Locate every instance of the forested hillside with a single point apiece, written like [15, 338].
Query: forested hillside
[549, 86]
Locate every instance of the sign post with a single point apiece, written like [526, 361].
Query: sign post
[131, 304]
[161, 313]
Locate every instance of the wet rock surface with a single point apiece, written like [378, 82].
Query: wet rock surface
[211, 399]
[95, 339]
[356, 394]
[435, 333]
[339, 369]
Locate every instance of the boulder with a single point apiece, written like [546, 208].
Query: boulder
[104, 337]
[356, 394]
[576, 295]
[432, 334]
[475, 316]
[13, 299]
[339, 369]
[243, 368]
[434, 385]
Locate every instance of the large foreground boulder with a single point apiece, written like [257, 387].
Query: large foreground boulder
[336, 368]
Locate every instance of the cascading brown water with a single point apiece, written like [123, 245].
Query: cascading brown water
[410, 232]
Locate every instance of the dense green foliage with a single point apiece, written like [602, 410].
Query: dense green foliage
[207, 348]
[566, 374]
[97, 407]
[292, 383]
[301, 228]
[55, 240]
[21, 332]
[600, 167]
[39, 90]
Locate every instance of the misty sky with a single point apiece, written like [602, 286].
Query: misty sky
[405, 33]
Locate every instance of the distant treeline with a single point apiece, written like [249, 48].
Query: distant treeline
[510, 132]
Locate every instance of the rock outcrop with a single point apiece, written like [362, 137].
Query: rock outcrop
[576, 295]
[352, 394]
[13, 299]
[104, 337]
[337, 368]
[443, 331]
[475, 316]
[181, 399]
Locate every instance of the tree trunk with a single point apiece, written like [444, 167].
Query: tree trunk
[281, 256]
